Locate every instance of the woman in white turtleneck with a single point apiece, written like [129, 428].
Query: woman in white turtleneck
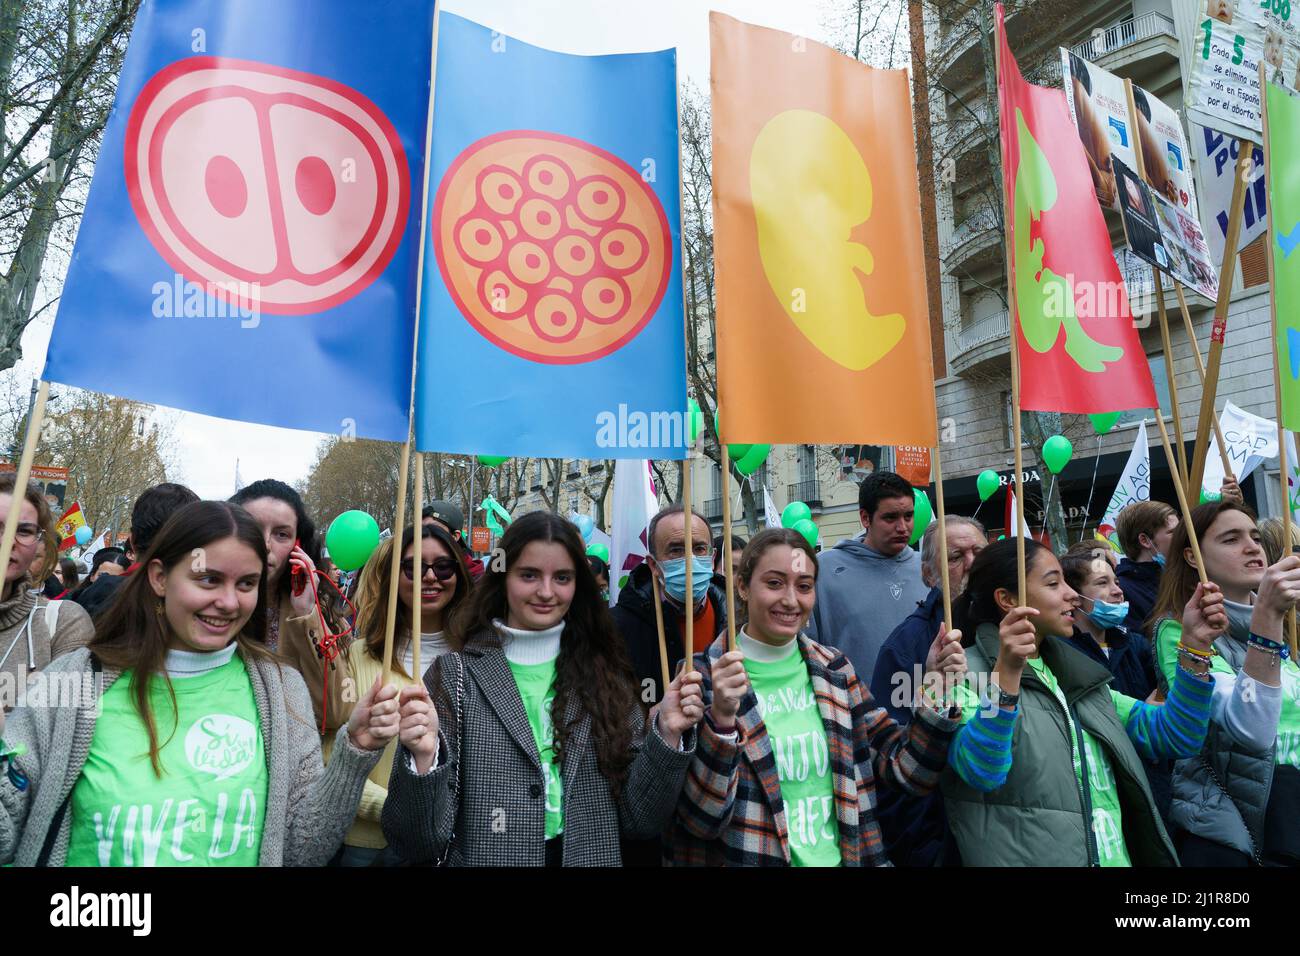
[200, 749]
[790, 725]
[529, 746]
[444, 584]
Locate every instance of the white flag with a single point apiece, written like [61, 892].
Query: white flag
[92, 548]
[1251, 439]
[1134, 485]
[771, 517]
[1013, 516]
[635, 503]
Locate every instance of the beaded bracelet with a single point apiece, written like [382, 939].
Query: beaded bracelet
[1188, 657]
[1273, 648]
[7, 755]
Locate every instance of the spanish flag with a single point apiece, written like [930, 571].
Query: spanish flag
[823, 333]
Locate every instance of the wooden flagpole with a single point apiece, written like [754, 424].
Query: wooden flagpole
[688, 515]
[726, 539]
[943, 536]
[659, 629]
[1179, 468]
[30, 441]
[417, 564]
[1226, 276]
[1013, 324]
[1182, 497]
[1283, 464]
[1200, 371]
[1181, 472]
[399, 519]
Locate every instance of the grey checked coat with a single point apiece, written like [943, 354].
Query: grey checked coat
[499, 817]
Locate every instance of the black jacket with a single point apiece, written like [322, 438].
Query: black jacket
[915, 829]
[634, 616]
[98, 595]
[1131, 663]
[1140, 583]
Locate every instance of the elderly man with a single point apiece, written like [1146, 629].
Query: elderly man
[892, 681]
[915, 828]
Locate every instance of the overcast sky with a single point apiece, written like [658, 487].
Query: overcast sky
[208, 448]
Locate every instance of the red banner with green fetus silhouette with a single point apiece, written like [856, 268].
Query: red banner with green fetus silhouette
[1079, 349]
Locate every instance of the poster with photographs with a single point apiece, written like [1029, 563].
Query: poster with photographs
[1099, 108]
[1224, 42]
[1163, 235]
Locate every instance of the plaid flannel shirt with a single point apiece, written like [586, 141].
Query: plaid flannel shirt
[731, 812]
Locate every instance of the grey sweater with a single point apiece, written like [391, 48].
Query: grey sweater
[862, 595]
[308, 807]
[25, 649]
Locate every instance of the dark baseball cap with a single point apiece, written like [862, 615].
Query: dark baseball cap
[446, 512]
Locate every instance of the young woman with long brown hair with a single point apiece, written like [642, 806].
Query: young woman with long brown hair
[1237, 801]
[444, 585]
[790, 726]
[534, 749]
[200, 749]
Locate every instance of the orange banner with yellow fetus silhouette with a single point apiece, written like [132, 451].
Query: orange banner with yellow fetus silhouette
[823, 331]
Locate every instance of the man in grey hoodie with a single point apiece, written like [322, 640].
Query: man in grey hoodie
[868, 584]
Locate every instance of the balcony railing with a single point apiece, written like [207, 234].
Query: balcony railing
[984, 330]
[713, 509]
[975, 226]
[1152, 24]
[808, 491]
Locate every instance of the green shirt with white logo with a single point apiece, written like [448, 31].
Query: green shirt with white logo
[794, 726]
[208, 807]
[536, 684]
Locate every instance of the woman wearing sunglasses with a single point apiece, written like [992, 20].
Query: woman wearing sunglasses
[33, 630]
[444, 583]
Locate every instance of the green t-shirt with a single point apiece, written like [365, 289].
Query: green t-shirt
[794, 726]
[1288, 721]
[536, 684]
[209, 806]
[1107, 826]
[1106, 822]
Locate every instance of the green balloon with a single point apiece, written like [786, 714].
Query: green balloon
[808, 530]
[1057, 451]
[695, 420]
[737, 451]
[599, 550]
[922, 515]
[795, 512]
[491, 461]
[352, 539]
[753, 459]
[987, 483]
[1105, 422]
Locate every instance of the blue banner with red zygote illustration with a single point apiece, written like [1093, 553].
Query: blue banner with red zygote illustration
[251, 238]
[551, 320]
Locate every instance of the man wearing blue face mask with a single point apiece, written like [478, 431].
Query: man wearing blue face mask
[634, 614]
[1144, 529]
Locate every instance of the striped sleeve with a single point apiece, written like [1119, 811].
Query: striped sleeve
[708, 796]
[1171, 730]
[981, 754]
[908, 758]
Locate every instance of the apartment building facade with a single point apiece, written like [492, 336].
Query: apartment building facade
[1135, 39]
